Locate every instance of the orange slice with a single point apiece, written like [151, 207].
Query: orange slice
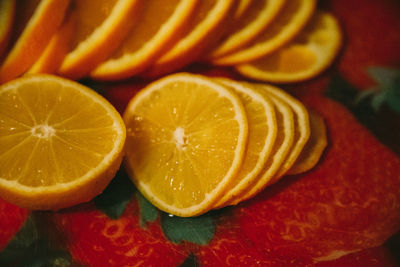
[290, 21]
[175, 153]
[285, 137]
[159, 26]
[7, 11]
[42, 21]
[242, 7]
[259, 14]
[101, 27]
[262, 135]
[203, 29]
[58, 47]
[308, 55]
[313, 149]
[60, 142]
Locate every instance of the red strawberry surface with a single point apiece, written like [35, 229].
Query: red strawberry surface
[93, 239]
[11, 220]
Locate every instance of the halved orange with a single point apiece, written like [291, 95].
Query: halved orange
[175, 153]
[263, 132]
[314, 148]
[7, 11]
[203, 29]
[58, 47]
[282, 146]
[101, 26]
[159, 26]
[36, 22]
[60, 142]
[259, 14]
[290, 21]
[305, 57]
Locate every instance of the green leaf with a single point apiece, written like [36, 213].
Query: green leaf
[378, 100]
[148, 213]
[385, 77]
[116, 196]
[198, 230]
[393, 95]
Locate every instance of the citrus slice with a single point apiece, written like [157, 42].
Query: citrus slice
[259, 14]
[314, 148]
[203, 29]
[242, 7]
[101, 27]
[58, 47]
[305, 57]
[301, 128]
[261, 139]
[290, 21]
[36, 21]
[159, 26]
[60, 142]
[285, 137]
[175, 152]
[7, 11]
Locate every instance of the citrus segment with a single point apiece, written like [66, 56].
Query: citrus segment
[285, 137]
[101, 27]
[61, 142]
[314, 148]
[261, 139]
[37, 21]
[305, 57]
[290, 21]
[202, 30]
[7, 11]
[176, 153]
[159, 26]
[259, 14]
[58, 47]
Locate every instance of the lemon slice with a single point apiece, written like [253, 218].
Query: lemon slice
[305, 57]
[176, 151]
[263, 132]
[60, 142]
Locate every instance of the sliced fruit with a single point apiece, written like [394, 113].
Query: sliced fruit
[61, 142]
[301, 128]
[305, 57]
[7, 11]
[259, 14]
[58, 47]
[176, 152]
[290, 21]
[159, 26]
[36, 24]
[242, 7]
[263, 131]
[101, 27]
[314, 147]
[203, 29]
[285, 119]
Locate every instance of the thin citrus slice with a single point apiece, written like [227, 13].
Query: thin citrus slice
[242, 7]
[314, 148]
[285, 137]
[7, 11]
[261, 139]
[58, 47]
[290, 21]
[176, 153]
[101, 27]
[159, 27]
[259, 14]
[305, 57]
[36, 22]
[60, 142]
[203, 29]
[301, 128]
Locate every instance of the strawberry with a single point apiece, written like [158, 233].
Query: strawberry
[11, 220]
[349, 202]
[94, 239]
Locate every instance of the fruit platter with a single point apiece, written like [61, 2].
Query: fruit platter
[200, 133]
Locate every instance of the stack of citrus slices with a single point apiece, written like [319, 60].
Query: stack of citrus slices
[279, 41]
[196, 143]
